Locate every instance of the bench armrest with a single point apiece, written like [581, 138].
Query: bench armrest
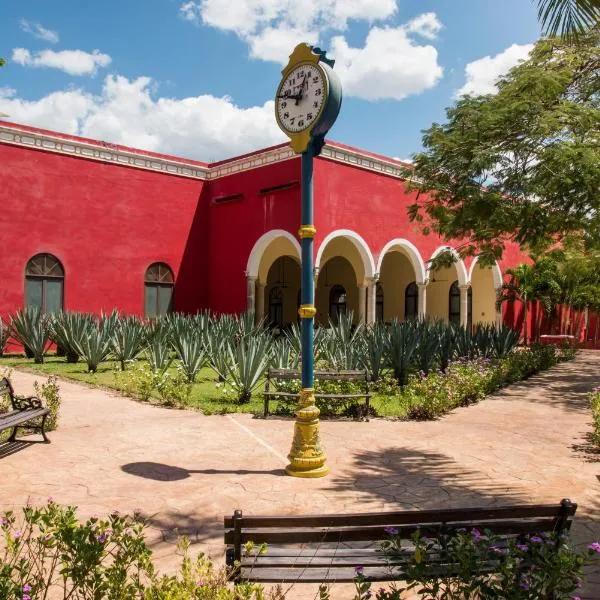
[23, 403]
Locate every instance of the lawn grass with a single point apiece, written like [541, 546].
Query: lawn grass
[205, 394]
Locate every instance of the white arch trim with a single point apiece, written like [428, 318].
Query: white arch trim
[359, 244]
[262, 244]
[461, 270]
[496, 273]
[412, 253]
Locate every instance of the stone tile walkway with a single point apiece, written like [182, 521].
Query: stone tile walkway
[529, 443]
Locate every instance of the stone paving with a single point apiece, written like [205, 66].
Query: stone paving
[529, 443]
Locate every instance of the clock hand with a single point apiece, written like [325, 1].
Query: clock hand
[299, 96]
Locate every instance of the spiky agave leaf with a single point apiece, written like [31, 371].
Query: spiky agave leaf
[30, 328]
[191, 352]
[375, 345]
[248, 361]
[401, 346]
[67, 330]
[426, 353]
[505, 340]
[128, 339]
[159, 348]
[94, 346]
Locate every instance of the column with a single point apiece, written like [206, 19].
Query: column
[362, 297]
[422, 300]
[372, 299]
[250, 292]
[260, 301]
[464, 305]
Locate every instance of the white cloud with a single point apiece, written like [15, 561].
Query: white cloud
[7, 92]
[38, 31]
[127, 112]
[73, 62]
[482, 74]
[426, 25]
[276, 44]
[390, 65]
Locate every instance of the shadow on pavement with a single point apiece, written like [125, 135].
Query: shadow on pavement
[162, 472]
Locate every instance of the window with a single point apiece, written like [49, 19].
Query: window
[411, 301]
[337, 302]
[454, 303]
[379, 303]
[276, 307]
[44, 282]
[158, 290]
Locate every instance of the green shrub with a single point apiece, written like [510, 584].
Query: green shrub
[595, 403]
[49, 392]
[4, 335]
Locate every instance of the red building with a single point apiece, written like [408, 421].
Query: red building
[91, 226]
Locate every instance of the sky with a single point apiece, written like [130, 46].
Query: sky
[196, 78]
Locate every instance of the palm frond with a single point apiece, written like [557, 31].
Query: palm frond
[568, 18]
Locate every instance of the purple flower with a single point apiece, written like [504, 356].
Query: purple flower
[17, 534]
[26, 588]
[359, 570]
[391, 530]
[595, 547]
[26, 597]
[523, 547]
[536, 539]
[524, 585]
[476, 533]
[576, 598]
[578, 583]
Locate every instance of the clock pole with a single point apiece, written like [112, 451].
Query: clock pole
[320, 90]
[307, 458]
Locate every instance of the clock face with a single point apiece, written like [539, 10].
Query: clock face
[301, 97]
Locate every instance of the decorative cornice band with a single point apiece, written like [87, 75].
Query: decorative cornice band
[103, 153]
[113, 154]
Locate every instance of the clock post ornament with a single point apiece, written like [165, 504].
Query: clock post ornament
[307, 104]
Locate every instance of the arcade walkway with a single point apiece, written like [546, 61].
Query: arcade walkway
[526, 444]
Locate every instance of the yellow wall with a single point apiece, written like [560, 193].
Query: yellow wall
[396, 273]
[438, 293]
[338, 271]
[291, 271]
[339, 247]
[484, 295]
[280, 246]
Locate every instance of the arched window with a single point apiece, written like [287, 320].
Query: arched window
[276, 307]
[337, 302]
[454, 303]
[379, 303]
[158, 290]
[411, 300]
[44, 282]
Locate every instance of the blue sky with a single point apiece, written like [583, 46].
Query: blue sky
[196, 77]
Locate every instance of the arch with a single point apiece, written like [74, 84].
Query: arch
[262, 244]
[461, 270]
[358, 242]
[44, 283]
[496, 273]
[413, 255]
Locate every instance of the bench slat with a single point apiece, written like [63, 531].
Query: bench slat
[407, 517]
[318, 395]
[297, 536]
[17, 417]
[289, 374]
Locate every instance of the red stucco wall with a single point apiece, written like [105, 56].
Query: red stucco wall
[106, 223]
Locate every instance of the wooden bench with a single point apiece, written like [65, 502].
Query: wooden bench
[25, 412]
[274, 375]
[328, 548]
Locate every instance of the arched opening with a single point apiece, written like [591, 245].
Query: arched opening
[485, 282]
[338, 303]
[282, 291]
[411, 301]
[396, 274]
[158, 290]
[343, 260]
[44, 283]
[443, 303]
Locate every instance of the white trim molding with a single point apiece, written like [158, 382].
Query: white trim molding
[411, 252]
[461, 270]
[262, 244]
[496, 273]
[254, 161]
[358, 242]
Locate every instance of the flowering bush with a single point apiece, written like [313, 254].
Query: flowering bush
[49, 392]
[49, 553]
[595, 402]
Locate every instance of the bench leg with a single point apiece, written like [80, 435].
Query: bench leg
[13, 435]
[367, 408]
[43, 429]
[266, 411]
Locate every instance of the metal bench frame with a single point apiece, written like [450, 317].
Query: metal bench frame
[26, 412]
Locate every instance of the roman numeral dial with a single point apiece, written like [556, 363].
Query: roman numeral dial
[301, 97]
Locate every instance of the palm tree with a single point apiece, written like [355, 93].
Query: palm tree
[568, 17]
[521, 287]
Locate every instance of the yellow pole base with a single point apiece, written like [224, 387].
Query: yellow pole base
[307, 458]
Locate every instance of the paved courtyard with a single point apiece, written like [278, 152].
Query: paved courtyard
[529, 443]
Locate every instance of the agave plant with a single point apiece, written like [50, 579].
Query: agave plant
[159, 349]
[344, 344]
[248, 361]
[30, 328]
[216, 343]
[464, 342]
[505, 339]
[95, 344]
[127, 339]
[401, 346]
[376, 344]
[283, 355]
[67, 330]
[293, 335]
[446, 347]
[191, 352]
[4, 335]
[428, 341]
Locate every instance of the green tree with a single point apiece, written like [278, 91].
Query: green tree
[520, 165]
[568, 17]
